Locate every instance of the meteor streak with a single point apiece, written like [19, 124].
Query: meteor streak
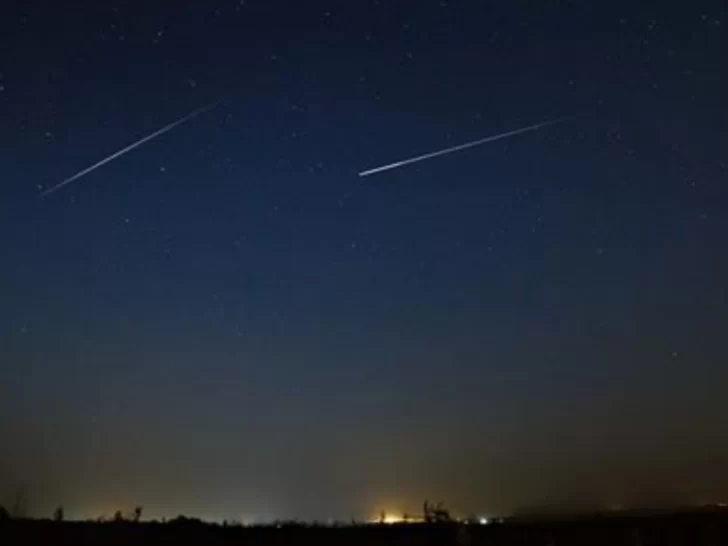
[129, 148]
[459, 147]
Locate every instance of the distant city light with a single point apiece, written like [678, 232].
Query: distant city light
[395, 518]
[483, 521]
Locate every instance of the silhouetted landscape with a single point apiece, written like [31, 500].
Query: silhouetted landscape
[703, 527]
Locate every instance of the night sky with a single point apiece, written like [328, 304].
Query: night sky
[229, 322]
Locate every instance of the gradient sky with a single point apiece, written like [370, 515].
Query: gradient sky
[228, 322]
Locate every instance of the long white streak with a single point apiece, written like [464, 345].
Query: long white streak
[129, 148]
[459, 147]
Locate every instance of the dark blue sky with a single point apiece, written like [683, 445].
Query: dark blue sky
[229, 322]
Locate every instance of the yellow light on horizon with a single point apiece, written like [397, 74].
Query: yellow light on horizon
[389, 519]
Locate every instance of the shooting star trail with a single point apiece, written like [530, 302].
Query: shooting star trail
[129, 148]
[459, 147]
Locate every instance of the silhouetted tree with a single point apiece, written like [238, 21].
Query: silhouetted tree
[20, 504]
[435, 513]
[382, 517]
[4, 514]
[441, 514]
[118, 516]
[426, 512]
[137, 515]
[58, 514]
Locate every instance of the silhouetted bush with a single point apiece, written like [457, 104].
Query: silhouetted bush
[184, 521]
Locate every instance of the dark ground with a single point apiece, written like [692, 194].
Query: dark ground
[690, 529]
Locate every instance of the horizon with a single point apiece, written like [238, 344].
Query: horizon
[393, 516]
